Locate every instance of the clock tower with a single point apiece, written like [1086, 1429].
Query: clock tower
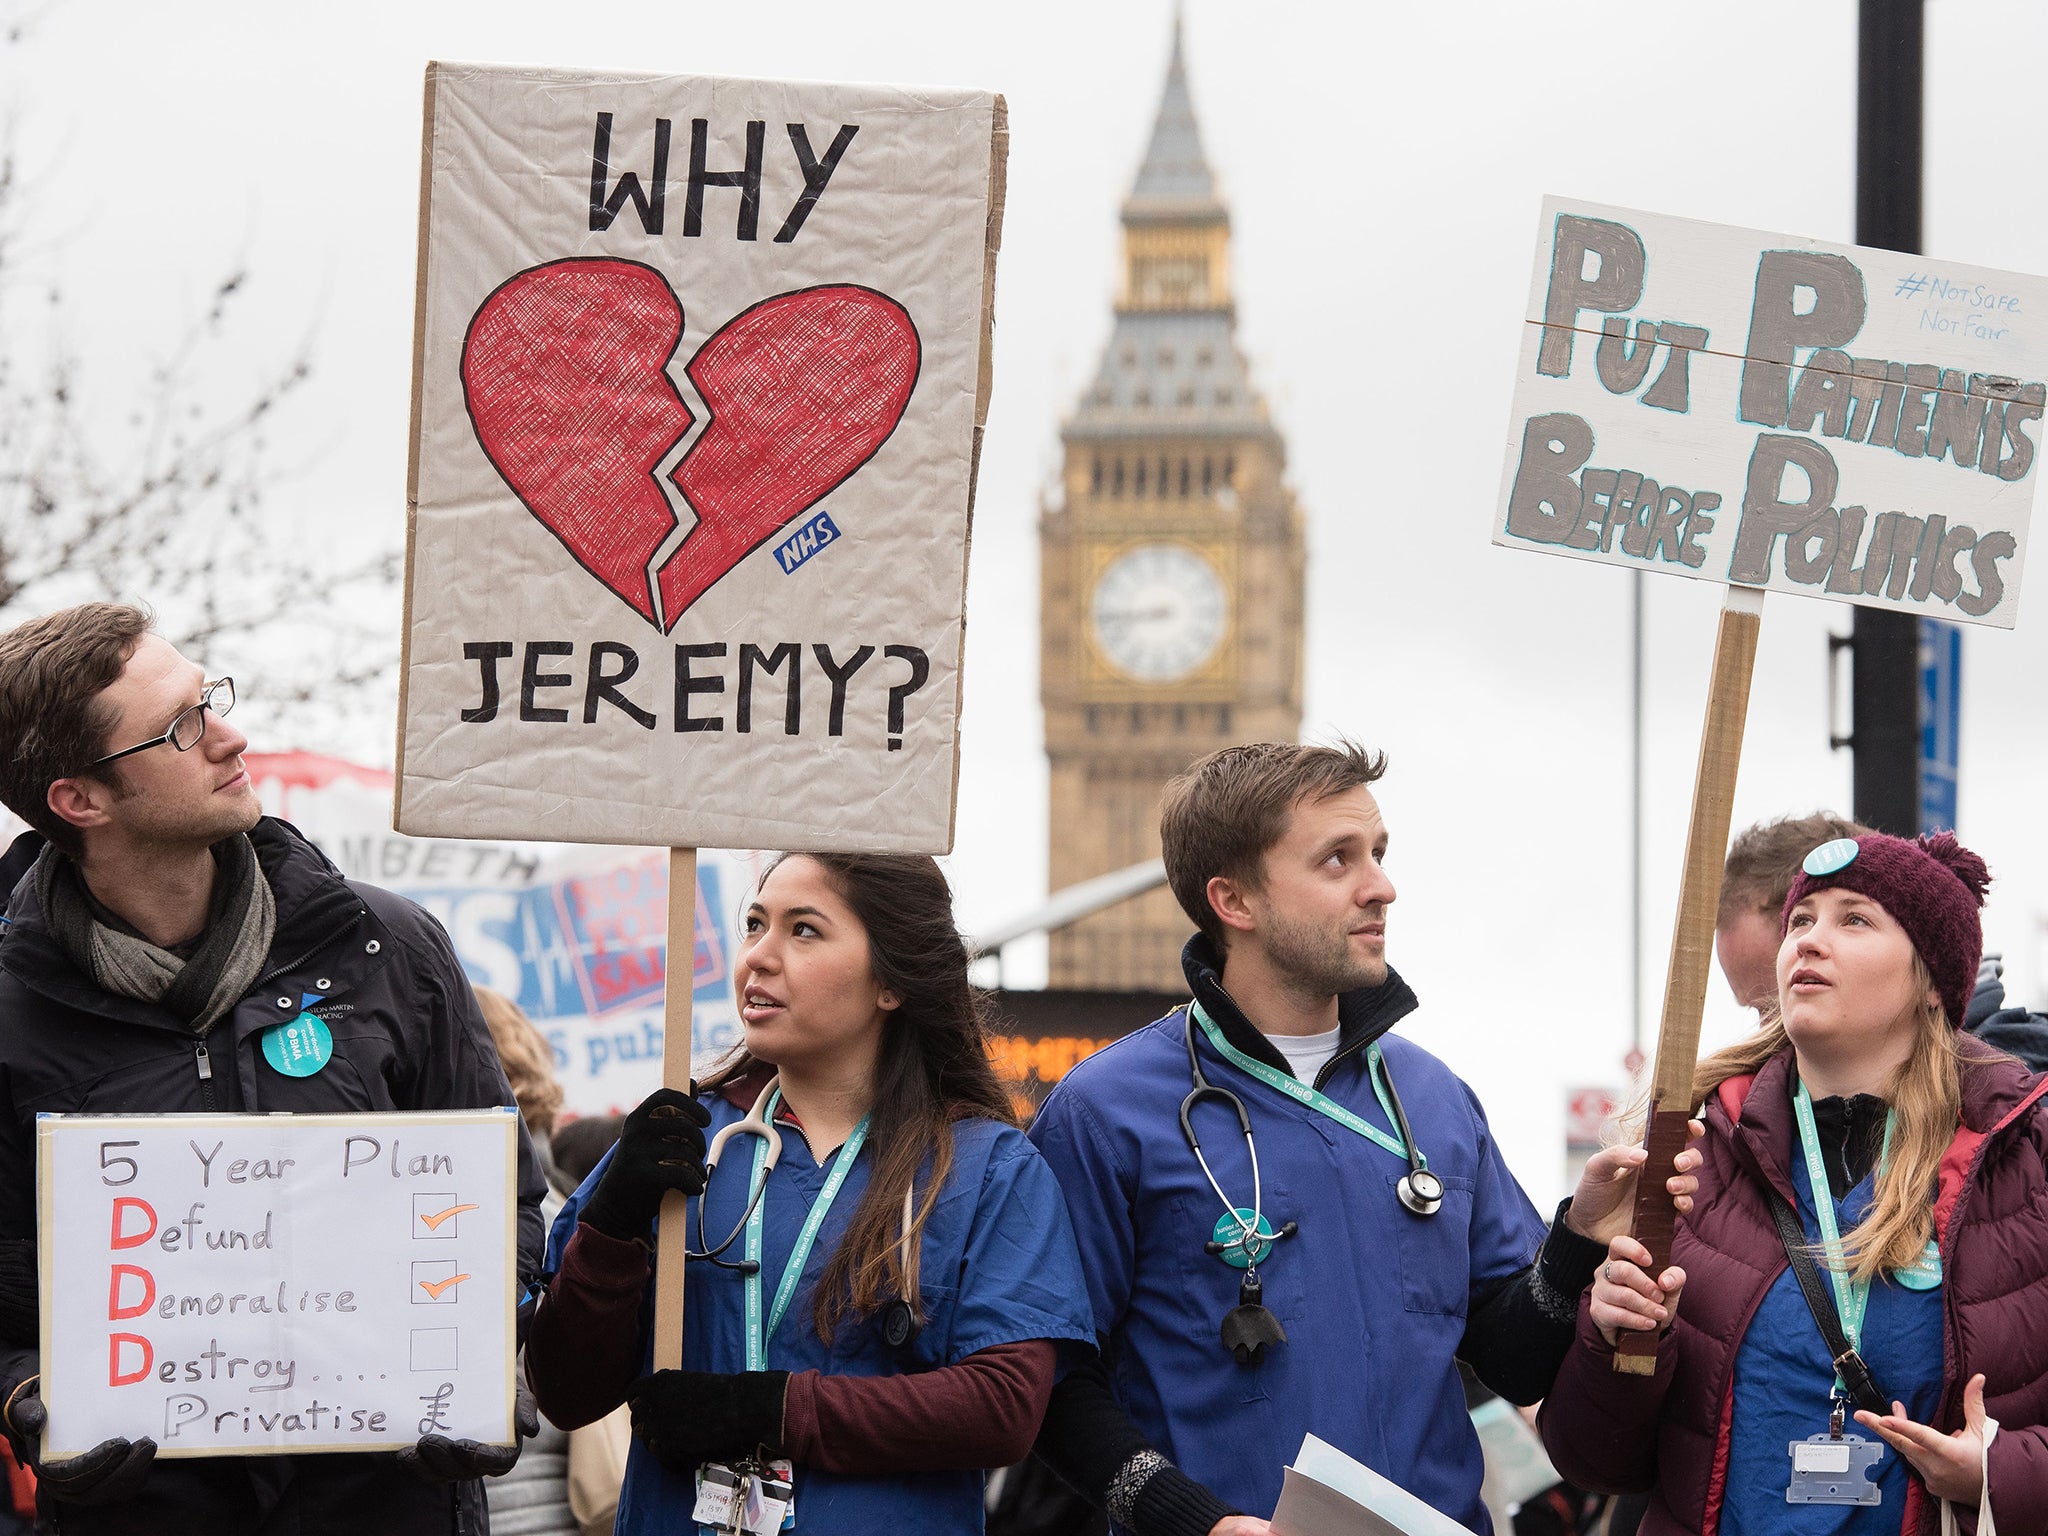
[1171, 562]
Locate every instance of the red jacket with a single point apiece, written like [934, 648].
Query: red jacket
[1668, 1433]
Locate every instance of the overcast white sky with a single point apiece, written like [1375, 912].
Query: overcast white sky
[1383, 165]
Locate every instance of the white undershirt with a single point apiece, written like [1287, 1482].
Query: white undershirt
[1307, 1054]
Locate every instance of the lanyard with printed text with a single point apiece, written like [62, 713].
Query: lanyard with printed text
[792, 1272]
[1851, 1296]
[1301, 1093]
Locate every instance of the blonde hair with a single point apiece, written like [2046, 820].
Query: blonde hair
[528, 1059]
[1925, 1092]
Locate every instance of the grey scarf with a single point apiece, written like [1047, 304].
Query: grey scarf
[200, 990]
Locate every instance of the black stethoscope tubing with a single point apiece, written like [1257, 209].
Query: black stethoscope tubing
[1419, 1191]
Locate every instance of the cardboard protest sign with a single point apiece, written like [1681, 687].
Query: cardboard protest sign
[1776, 412]
[240, 1285]
[572, 933]
[700, 372]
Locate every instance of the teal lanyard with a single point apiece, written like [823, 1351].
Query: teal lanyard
[792, 1272]
[1851, 1296]
[1301, 1093]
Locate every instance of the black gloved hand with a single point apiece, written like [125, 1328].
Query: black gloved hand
[661, 1148]
[690, 1417]
[110, 1472]
[438, 1459]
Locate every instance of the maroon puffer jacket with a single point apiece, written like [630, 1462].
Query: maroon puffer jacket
[1668, 1433]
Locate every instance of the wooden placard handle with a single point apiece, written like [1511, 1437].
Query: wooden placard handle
[671, 1238]
[1692, 943]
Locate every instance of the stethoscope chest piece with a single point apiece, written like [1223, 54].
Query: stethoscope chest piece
[899, 1324]
[1250, 1326]
[1420, 1191]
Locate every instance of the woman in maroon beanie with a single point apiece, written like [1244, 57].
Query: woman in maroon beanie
[1905, 1165]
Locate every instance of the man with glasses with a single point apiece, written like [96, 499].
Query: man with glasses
[163, 932]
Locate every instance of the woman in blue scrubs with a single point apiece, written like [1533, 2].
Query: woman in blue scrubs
[891, 1295]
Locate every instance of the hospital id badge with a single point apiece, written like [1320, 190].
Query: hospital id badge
[770, 1502]
[719, 1494]
[1830, 1470]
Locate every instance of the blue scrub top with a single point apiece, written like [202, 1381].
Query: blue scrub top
[1373, 1298]
[1782, 1379]
[997, 1264]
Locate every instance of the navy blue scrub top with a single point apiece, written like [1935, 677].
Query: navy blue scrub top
[1783, 1376]
[1372, 1297]
[997, 1265]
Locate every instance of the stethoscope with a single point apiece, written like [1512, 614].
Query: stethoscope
[1249, 1328]
[900, 1325]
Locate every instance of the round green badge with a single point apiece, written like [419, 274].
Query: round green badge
[1831, 858]
[300, 1048]
[1242, 1249]
[1924, 1273]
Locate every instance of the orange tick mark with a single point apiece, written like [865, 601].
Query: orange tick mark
[435, 1220]
[434, 1288]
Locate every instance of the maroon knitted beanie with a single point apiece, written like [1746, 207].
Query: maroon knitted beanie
[1931, 886]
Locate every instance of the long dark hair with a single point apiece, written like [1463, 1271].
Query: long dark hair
[933, 1067]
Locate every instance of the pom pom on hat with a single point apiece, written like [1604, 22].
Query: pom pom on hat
[1931, 886]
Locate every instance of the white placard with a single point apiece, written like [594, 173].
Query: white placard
[1772, 411]
[700, 375]
[245, 1284]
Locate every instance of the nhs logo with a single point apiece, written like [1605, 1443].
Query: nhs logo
[805, 542]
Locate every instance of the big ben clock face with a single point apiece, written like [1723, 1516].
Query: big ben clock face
[1158, 612]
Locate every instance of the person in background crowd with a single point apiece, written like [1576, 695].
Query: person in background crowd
[564, 1484]
[1763, 861]
[163, 938]
[1904, 1166]
[1321, 1259]
[578, 1144]
[918, 1255]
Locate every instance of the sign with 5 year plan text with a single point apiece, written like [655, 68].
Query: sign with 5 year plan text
[242, 1284]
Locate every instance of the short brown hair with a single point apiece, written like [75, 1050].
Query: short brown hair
[1764, 860]
[528, 1059]
[1221, 816]
[53, 671]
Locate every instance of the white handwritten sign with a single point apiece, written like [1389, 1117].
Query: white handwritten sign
[1772, 411]
[700, 378]
[235, 1285]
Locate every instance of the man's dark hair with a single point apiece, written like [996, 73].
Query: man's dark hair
[1764, 860]
[53, 719]
[1220, 817]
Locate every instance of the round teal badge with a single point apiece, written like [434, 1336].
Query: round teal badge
[1924, 1273]
[1241, 1250]
[300, 1048]
[1831, 858]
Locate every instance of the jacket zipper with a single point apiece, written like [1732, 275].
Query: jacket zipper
[203, 1060]
[299, 960]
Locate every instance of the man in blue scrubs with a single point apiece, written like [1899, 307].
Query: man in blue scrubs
[1367, 1273]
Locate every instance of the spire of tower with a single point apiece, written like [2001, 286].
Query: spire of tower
[1175, 177]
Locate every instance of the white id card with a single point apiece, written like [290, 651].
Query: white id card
[1826, 1470]
[718, 1491]
[770, 1505]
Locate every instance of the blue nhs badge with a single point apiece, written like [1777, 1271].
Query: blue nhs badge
[805, 542]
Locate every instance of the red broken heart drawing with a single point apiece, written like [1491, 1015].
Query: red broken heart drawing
[564, 374]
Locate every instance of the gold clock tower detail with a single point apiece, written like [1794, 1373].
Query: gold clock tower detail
[1171, 597]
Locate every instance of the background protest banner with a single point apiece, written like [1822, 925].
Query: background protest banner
[1775, 412]
[573, 933]
[237, 1285]
[700, 372]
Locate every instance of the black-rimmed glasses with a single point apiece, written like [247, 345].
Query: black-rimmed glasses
[189, 726]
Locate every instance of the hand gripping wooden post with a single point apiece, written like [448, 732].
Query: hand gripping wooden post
[671, 1238]
[1692, 944]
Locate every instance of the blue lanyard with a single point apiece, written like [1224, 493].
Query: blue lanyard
[792, 1272]
[1851, 1296]
[1321, 1103]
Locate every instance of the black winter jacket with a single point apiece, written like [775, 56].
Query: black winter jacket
[407, 1036]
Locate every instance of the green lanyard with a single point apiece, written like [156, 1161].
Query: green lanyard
[1851, 1296]
[1301, 1093]
[792, 1272]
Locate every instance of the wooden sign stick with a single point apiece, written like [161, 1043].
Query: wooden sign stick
[1692, 943]
[672, 1238]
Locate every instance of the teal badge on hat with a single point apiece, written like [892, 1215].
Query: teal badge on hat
[1831, 858]
[303, 1046]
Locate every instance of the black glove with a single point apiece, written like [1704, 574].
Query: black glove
[438, 1459]
[660, 1148]
[110, 1472]
[690, 1417]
